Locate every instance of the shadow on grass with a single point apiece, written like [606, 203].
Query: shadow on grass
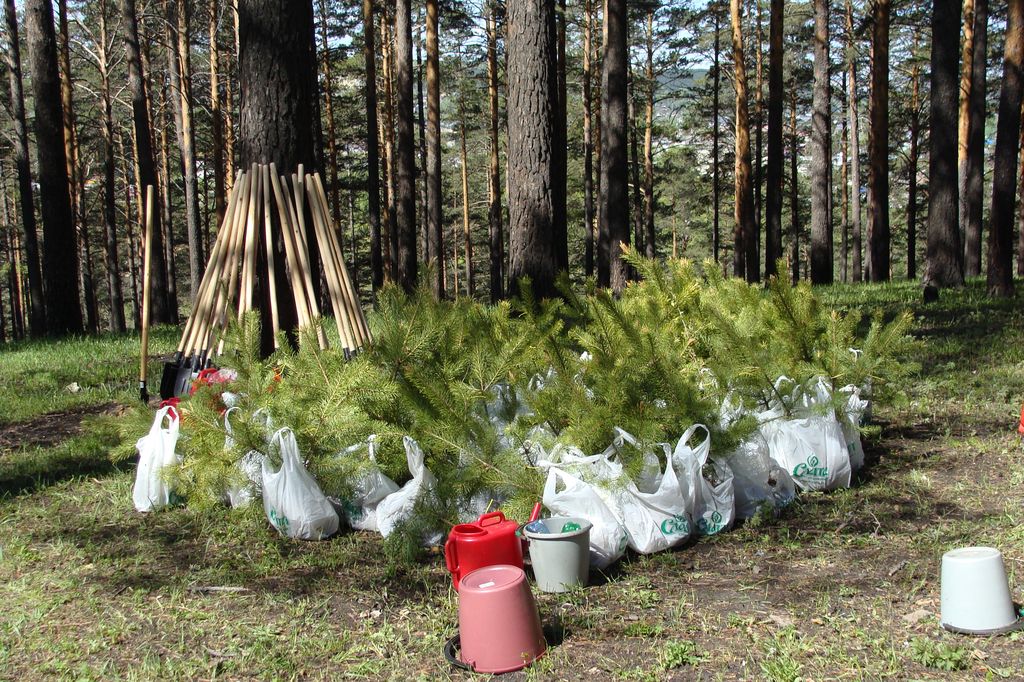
[24, 472]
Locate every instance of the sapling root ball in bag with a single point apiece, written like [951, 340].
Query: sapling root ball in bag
[759, 479]
[292, 499]
[656, 508]
[567, 495]
[156, 452]
[250, 467]
[851, 417]
[714, 500]
[811, 444]
[368, 490]
[397, 506]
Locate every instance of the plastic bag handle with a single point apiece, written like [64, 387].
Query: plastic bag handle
[499, 515]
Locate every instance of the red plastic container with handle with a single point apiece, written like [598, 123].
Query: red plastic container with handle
[491, 540]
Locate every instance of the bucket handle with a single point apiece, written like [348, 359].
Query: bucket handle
[499, 515]
[451, 560]
[449, 653]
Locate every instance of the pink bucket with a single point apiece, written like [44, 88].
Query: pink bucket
[499, 627]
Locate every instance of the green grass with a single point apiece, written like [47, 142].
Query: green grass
[93, 590]
[37, 373]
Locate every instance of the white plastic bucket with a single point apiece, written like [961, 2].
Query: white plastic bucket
[975, 593]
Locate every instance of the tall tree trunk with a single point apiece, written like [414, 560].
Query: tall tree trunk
[216, 113]
[162, 311]
[332, 146]
[435, 228]
[637, 209]
[612, 270]
[754, 242]
[164, 192]
[421, 169]
[279, 120]
[973, 165]
[943, 254]
[179, 67]
[497, 245]
[113, 264]
[229, 102]
[60, 261]
[405, 149]
[1004, 176]
[37, 305]
[532, 109]
[14, 271]
[588, 143]
[466, 236]
[74, 173]
[649, 247]
[773, 190]
[878, 146]
[821, 131]
[559, 150]
[388, 138]
[855, 175]
[963, 127]
[912, 159]
[794, 193]
[1020, 215]
[372, 149]
[716, 136]
[744, 191]
[844, 270]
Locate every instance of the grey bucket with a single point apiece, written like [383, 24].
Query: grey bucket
[561, 560]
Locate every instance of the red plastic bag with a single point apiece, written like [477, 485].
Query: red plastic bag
[1020, 427]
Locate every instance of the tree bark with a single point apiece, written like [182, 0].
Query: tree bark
[179, 67]
[614, 197]
[113, 264]
[716, 136]
[878, 146]
[649, 247]
[435, 228]
[773, 189]
[560, 217]
[637, 209]
[754, 242]
[494, 218]
[37, 305]
[794, 197]
[388, 139]
[821, 130]
[216, 114]
[912, 161]
[943, 253]
[466, 236]
[162, 310]
[405, 149]
[1020, 215]
[163, 191]
[966, 77]
[844, 270]
[60, 261]
[1004, 176]
[532, 108]
[744, 191]
[974, 186]
[855, 174]
[372, 149]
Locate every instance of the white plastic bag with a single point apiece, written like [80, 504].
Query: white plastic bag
[292, 499]
[608, 537]
[759, 479]
[654, 509]
[851, 417]
[368, 490]
[242, 494]
[156, 451]
[810, 445]
[397, 506]
[714, 505]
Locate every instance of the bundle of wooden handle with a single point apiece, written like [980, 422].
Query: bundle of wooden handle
[231, 271]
